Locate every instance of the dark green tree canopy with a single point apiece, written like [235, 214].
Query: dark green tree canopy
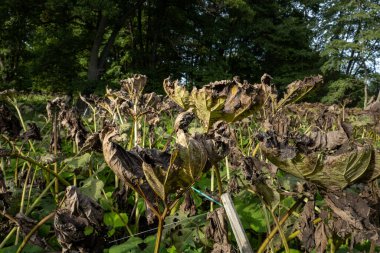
[83, 45]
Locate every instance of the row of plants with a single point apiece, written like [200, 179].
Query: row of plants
[138, 172]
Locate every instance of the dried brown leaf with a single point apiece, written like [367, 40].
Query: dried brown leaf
[320, 238]
[306, 226]
[9, 123]
[77, 214]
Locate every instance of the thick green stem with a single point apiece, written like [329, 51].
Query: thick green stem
[160, 228]
[30, 160]
[14, 103]
[24, 189]
[31, 188]
[280, 223]
[9, 236]
[297, 232]
[159, 235]
[332, 245]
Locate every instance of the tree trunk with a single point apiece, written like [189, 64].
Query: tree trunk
[106, 50]
[93, 71]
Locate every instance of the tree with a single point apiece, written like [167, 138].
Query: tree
[350, 39]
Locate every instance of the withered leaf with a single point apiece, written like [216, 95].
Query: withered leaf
[177, 92]
[333, 171]
[78, 213]
[351, 216]
[9, 123]
[226, 100]
[217, 231]
[134, 85]
[127, 165]
[320, 238]
[192, 155]
[258, 174]
[298, 89]
[33, 133]
[306, 226]
[183, 120]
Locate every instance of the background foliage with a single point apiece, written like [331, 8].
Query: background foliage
[84, 45]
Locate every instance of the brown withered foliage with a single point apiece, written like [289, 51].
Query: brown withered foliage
[217, 231]
[78, 215]
[92, 143]
[68, 118]
[327, 154]
[33, 133]
[9, 123]
[306, 226]
[227, 100]
[4, 193]
[26, 225]
[162, 177]
[217, 141]
[188, 205]
[127, 165]
[352, 215]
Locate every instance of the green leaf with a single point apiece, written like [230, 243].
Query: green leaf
[115, 220]
[92, 188]
[150, 241]
[28, 249]
[130, 246]
[78, 161]
[250, 210]
[120, 220]
[172, 249]
[88, 230]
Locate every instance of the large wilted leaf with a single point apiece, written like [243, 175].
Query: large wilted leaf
[78, 223]
[192, 155]
[127, 165]
[226, 100]
[178, 93]
[298, 89]
[68, 118]
[134, 85]
[185, 167]
[306, 226]
[217, 141]
[314, 143]
[257, 173]
[330, 170]
[154, 173]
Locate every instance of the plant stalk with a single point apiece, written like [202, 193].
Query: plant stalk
[34, 229]
[218, 180]
[160, 228]
[280, 223]
[55, 134]
[30, 160]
